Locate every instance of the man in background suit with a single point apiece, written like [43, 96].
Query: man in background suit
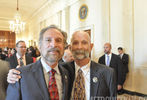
[15, 59]
[125, 60]
[112, 60]
[44, 79]
[67, 56]
[4, 68]
[98, 80]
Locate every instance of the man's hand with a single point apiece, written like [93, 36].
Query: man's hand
[13, 76]
[119, 87]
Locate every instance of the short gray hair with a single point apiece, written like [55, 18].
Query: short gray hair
[19, 42]
[51, 27]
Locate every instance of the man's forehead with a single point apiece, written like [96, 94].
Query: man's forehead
[81, 36]
[53, 32]
[21, 43]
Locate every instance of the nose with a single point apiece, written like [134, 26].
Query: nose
[79, 46]
[53, 43]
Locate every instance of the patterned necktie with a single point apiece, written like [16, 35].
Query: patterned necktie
[21, 62]
[79, 87]
[108, 61]
[52, 87]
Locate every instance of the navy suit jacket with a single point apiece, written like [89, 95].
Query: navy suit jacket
[32, 85]
[13, 61]
[106, 84]
[117, 65]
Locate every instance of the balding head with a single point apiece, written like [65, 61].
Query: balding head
[107, 48]
[81, 34]
[67, 57]
[81, 45]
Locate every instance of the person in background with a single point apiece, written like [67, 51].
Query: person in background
[32, 53]
[19, 59]
[4, 69]
[67, 57]
[9, 52]
[125, 60]
[37, 52]
[112, 60]
[13, 51]
[2, 56]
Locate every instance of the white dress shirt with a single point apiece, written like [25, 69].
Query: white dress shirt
[46, 69]
[121, 55]
[86, 74]
[23, 59]
[110, 55]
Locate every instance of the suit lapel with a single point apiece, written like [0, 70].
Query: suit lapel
[64, 82]
[94, 80]
[26, 58]
[40, 80]
[15, 60]
[111, 61]
[104, 60]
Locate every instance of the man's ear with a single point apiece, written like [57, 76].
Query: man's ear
[39, 48]
[91, 46]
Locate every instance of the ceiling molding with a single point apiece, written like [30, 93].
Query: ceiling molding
[39, 9]
[5, 18]
[4, 28]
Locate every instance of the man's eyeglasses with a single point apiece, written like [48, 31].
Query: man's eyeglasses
[22, 47]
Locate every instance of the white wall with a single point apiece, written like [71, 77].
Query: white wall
[121, 22]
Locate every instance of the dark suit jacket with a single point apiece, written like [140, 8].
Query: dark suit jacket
[4, 68]
[125, 61]
[117, 65]
[13, 61]
[61, 61]
[106, 84]
[32, 85]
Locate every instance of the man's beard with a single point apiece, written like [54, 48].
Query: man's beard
[80, 54]
[52, 58]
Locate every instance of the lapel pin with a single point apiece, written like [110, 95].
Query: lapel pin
[95, 79]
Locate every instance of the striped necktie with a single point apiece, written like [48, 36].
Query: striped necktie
[21, 62]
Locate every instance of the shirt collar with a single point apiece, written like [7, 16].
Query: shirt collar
[85, 69]
[48, 68]
[108, 54]
[18, 56]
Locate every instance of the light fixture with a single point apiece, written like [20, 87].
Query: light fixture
[17, 26]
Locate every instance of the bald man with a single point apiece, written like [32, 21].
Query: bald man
[98, 80]
[112, 60]
[67, 57]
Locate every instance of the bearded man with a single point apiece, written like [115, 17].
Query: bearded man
[44, 79]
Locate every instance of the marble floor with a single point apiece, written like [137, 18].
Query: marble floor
[130, 97]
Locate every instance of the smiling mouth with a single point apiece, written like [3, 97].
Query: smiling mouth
[53, 52]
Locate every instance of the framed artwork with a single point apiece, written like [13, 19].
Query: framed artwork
[83, 12]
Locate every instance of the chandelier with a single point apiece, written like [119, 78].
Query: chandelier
[17, 25]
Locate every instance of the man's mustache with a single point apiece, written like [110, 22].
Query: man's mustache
[79, 52]
[54, 49]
